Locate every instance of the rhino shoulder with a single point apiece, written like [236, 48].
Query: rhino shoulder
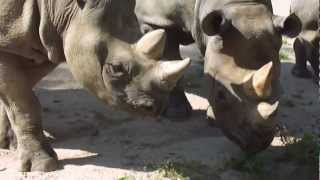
[18, 29]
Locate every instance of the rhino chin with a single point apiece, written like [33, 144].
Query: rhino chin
[251, 141]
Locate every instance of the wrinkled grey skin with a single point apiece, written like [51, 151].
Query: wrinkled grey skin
[240, 41]
[97, 40]
[306, 44]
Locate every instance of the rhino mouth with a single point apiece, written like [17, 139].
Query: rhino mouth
[251, 140]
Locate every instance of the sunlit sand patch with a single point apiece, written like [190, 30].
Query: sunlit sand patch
[278, 142]
[67, 154]
[197, 102]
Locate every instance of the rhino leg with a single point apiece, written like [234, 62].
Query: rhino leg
[4, 128]
[24, 114]
[7, 137]
[179, 106]
[300, 69]
[314, 61]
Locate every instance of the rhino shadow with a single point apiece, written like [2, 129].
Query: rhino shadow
[75, 120]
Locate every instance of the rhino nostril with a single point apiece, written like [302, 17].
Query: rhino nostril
[149, 108]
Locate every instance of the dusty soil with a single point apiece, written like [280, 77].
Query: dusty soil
[95, 142]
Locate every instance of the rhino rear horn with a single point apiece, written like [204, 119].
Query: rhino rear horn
[167, 73]
[266, 110]
[260, 84]
[152, 44]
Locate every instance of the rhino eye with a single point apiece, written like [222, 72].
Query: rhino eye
[119, 71]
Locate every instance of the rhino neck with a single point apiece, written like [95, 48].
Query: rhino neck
[55, 17]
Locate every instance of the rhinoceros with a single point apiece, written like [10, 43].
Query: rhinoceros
[99, 40]
[306, 44]
[240, 41]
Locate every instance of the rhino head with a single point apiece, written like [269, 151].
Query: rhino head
[243, 66]
[103, 54]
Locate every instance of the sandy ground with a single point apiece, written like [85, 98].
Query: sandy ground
[95, 142]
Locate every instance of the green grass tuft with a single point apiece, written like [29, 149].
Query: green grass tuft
[305, 150]
[185, 170]
[283, 55]
[252, 165]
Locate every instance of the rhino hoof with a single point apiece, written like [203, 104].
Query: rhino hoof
[45, 165]
[4, 143]
[8, 140]
[301, 72]
[44, 160]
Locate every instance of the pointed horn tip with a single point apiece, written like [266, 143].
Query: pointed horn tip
[269, 65]
[160, 33]
[187, 62]
[266, 68]
[172, 71]
[181, 65]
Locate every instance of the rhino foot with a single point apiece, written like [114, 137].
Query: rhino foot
[44, 159]
[179, 107]
[4, 143]
[8, 140]
[301, 72]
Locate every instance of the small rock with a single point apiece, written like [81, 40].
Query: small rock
[45, 109]
[56, 101]
[3, 169]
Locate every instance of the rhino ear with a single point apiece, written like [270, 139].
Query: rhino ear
[213, 23]
[89, 3]
[81, 3]
[289, 26]
[152, 44]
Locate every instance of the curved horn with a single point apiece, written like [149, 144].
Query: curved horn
[260, 84]
[152, 44]
[266, 110]
[168, 73]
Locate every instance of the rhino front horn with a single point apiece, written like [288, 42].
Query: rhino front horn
[266, 110]
[260, 84]
[168, 73]
[152, 44]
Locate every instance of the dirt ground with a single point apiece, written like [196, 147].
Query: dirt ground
[95, 142]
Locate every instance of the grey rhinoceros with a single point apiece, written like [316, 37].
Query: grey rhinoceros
[98, 40]
[240, 41]
[306, 45]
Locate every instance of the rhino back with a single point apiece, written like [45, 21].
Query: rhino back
[164, 13]
[307, 11]
[34, 29]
